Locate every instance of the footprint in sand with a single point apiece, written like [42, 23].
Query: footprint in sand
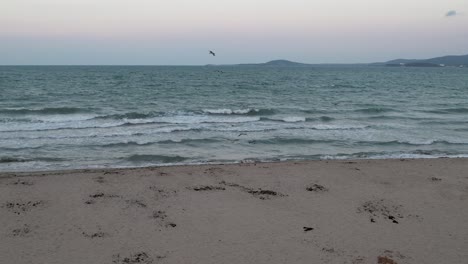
[389, 257]
[100, 196]
[258, 193]
[23, 231]
[382, 209]
[136, 202]
[161, 217]
[98, 234]
[95, 235]
[110, 172]
[135, 258]
[20, 207]
[161, 192]
[21, 182]
[316, 188]
[100, 179]
[220, 172]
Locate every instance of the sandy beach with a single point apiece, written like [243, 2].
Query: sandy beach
[362, 211]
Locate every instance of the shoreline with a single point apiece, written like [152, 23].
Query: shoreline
[400, 211]
[240, 163]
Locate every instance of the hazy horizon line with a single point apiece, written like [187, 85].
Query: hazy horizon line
[233, 64]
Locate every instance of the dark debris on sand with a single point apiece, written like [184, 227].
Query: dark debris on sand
[95, 235]
[259, 193]
[206, 188]
[103, 195]
[316, 188]
[385, 260]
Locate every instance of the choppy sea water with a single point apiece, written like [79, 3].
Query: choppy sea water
[110, 116]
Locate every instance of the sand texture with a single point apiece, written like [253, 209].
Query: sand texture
[366, 211]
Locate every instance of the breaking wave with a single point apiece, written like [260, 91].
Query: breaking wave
[147, 158]
[45, 111]
[248, 111]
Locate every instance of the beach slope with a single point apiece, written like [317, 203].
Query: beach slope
[363, 211]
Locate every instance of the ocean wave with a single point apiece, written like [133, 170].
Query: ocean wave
[460, 110]
[341, 85]
[207, 119]
[410, 143]
[314, 111]
[45, 111]
[293, 119]
[18, 148]
[12, 159]
[129, 115]
[181, 141]
[241, 130]
[57, 126]
[118, 120]
[337, 142]
[149, 158]
[280, 140]
[417, 154]
[338, 127]
[190, 141]
[125, 144]
[387, 117]
[374, 110]
[247, 111]
[8, 159]
[326, 118]
[326, 127]
[102, 134]
[287, 119]
[88, 124]
[189, 119]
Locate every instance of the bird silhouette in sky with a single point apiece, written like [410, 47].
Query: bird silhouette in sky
[212, 53]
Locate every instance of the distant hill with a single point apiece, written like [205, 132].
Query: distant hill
[278, 63]
[450, 60]
[453, 60]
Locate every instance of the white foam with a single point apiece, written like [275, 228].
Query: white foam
[338, 127]
[225, 111]
[205, 119]
[294, 119]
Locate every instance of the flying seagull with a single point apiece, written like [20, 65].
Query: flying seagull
[212, 53]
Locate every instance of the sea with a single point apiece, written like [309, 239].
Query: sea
[70, 117]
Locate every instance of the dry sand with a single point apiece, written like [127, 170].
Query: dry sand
[366, 211]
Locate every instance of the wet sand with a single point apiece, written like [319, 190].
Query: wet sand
[365, 211]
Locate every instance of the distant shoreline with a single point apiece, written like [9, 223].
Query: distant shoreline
[450, 60]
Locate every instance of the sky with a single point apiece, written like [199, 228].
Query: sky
[180, 32]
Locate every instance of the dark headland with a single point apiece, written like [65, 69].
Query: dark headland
[445, 61]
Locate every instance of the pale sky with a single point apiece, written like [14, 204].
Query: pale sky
[180, 32]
